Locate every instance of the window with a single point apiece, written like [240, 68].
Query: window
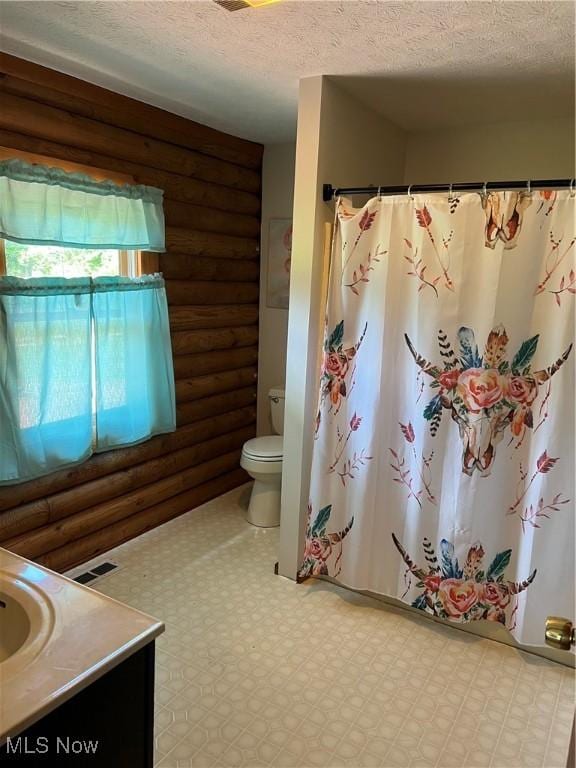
[85, 353]
[23, 260]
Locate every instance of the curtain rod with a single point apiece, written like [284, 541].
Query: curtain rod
[329, 192]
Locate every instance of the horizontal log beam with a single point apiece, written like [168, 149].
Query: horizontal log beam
[34, 119]
[187, 413]
[205, 219]
[179, 266]
[16, 517]
[90, 546]
[175, 186]
[205, 292]
[54, 509]
[194, 342]
[167, 476]
[212, 245]
[213, 383]
[218, 316]
[67, 92]
[187, 366]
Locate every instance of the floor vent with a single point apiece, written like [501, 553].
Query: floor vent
[103, 568]
[95, 572]
[85, 578]
[238, 5]
[232, 5]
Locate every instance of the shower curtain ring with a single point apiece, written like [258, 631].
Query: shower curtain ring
[528, 188]
[378, 196]
[450, 192]
[572, 182]
[409, 190]
[484, 188]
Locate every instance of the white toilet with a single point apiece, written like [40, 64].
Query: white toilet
[262, 459]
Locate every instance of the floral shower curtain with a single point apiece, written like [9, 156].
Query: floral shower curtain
[443, 465]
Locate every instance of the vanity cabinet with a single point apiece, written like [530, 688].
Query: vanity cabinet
[76, 673]
[109, 724]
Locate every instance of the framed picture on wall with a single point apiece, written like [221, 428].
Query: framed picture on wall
[279, 254]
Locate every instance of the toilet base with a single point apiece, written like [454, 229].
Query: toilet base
[264, 507]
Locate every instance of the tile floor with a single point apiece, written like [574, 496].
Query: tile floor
[254, 670]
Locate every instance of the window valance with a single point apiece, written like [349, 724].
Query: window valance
[50, 206]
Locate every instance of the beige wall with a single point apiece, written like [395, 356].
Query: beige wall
[342, 142]
[277, 202]
[539, 149]
[357, 146]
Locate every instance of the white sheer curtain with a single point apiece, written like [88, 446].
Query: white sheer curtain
[443, 467]
[45, 375]
[134, 372]
[85, 366]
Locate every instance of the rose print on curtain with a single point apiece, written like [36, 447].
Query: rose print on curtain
[320, 545]
[446, 405]
[337, 368]
[485, 395]
[468, 593]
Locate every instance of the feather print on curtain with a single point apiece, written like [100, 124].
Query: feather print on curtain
[443, 463]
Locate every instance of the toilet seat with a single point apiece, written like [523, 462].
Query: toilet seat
[264, 449]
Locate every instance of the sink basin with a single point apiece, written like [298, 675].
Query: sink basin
[56, 638]
[15, 626]
[26, 622]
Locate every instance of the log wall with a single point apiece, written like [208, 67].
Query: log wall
[211, 184]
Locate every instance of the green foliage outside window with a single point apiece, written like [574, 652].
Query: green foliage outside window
[55, 261]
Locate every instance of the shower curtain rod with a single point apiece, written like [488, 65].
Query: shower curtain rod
[329, 192]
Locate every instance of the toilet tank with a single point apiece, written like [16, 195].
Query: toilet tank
[276, 397]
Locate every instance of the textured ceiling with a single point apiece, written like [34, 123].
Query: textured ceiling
[422, 64]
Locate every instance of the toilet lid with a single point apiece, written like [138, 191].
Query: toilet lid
[265, 448]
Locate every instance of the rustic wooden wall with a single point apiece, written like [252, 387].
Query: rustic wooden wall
[212, 205]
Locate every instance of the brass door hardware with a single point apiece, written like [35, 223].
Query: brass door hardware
[560, 633]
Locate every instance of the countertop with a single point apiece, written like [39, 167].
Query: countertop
[80, 635]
